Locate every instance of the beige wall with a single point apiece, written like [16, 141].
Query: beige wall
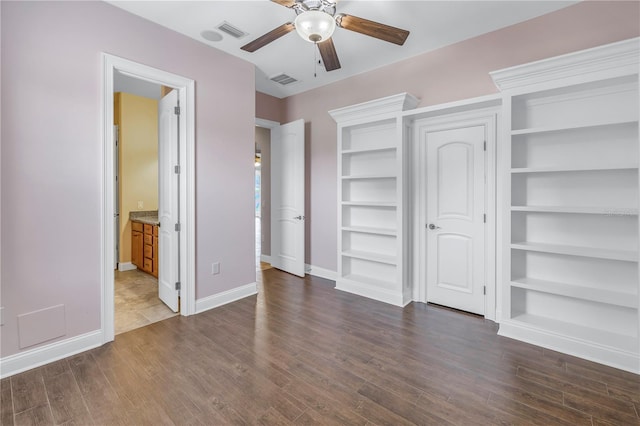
[138, 121]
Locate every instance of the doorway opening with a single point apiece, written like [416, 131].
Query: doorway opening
[176, 178]
[263, 197]
[137, 302]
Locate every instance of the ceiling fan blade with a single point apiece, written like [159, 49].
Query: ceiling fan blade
[373, 29]
[329, 55]
[286, 3]
[268, 37]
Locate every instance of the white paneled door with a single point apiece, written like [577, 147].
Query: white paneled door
[287, 197]
[168, 213]
[455, 232]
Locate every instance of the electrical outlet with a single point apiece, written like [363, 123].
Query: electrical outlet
[215, 268]
[141, 204]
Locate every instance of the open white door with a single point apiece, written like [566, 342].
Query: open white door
[168, 213]
[455, 223]
[287, 197]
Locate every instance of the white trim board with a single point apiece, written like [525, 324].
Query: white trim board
[229, 296]
[573, 346]
[186, 96]
[126, 266]
[26, 360]
[319, 272]
[372, 292]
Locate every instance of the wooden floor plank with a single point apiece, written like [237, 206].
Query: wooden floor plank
[66, 400]
[301, 352]
[6, 403]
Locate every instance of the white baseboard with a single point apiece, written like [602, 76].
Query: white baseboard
[126, 266]
[612, 357]
[225, 297]
[372, 292]
[317, 271]
[14, 364]
[265, 258]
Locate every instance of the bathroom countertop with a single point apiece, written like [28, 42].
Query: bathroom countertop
[148, 217]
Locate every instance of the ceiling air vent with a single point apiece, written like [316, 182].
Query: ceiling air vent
[227, 28]
[283, 79]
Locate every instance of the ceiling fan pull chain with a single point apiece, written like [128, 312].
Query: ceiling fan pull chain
[315, 60]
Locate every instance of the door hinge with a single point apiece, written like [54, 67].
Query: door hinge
[176, 169]
[484, 146]
[176, 110]
[178, 285]
[484, 218]
[177, 227]
[484, 290]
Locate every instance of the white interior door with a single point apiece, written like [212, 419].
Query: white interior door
[455, 234]
[168, 214]
[287, 197]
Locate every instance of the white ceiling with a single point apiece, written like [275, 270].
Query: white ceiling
[433, 24]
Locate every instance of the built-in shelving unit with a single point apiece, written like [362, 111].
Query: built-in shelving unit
[570, 230]
[371, 225]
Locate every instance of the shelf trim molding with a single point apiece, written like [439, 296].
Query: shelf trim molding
[376, 108]
[621, 57]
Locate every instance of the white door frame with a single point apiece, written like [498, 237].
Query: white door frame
[186, 94]
[485, 117]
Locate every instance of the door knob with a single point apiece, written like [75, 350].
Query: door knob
[432, 226]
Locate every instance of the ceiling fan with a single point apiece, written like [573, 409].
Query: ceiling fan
[316, 21]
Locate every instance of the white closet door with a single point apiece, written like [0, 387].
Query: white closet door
[455, 218]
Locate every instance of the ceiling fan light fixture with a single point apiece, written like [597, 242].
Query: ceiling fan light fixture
[315, 26]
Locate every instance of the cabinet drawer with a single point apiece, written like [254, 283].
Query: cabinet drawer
[148, 239]
[148, 265]
[148, 229]
[148, 251]
[155, 230]
[136, 226]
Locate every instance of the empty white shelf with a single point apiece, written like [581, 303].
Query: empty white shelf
[368, 280]
[368, 177]
[602, 337]
[374, 257]
[561, 128]
[370, 230]
[607, 211]
[370, 203]
[624, 255]
[366, 150]
[601, 295]
[629, 166]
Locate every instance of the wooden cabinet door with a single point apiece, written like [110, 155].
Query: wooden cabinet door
[137, 247]
[155, 251]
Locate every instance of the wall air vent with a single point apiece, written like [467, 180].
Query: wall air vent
[283, 79]
[235, 32]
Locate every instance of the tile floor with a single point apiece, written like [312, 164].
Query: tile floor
[136, 301]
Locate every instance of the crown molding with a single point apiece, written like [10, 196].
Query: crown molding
[610, 60]
[374, 109]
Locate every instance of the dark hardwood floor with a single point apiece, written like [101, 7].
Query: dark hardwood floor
[302, 353]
